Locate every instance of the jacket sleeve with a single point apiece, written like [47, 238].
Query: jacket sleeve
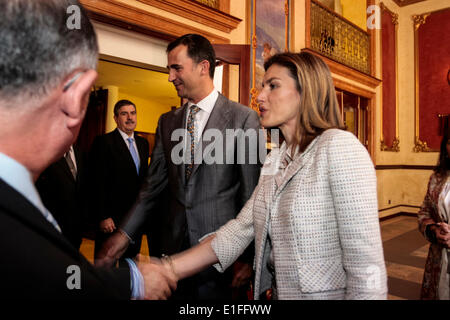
[426, 210]
[354, 190]
[153, 186]
[250, 171]
[234, 237]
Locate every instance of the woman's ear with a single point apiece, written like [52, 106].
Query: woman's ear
[76, 91]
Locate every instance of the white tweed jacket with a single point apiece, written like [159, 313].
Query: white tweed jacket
[323, 215]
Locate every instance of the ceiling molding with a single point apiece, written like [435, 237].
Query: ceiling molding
[402, 3]
[197, 12]
[126, 16]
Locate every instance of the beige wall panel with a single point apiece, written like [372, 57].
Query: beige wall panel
[401, 188]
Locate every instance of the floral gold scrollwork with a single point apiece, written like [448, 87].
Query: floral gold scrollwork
[421, 146]
[254, 104]
[254, 41]
[394, 16]
[419, 20]
[395, 146]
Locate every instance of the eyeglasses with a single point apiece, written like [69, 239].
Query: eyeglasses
[72, 81]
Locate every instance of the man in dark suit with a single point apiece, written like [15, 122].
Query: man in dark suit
[202, 195]
[47, 71]
[62, 188]
[119, 166]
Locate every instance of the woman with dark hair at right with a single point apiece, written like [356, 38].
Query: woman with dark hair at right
[433, 224]
[314, 213]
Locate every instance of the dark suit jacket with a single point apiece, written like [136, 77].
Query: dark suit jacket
[65, 197]
[214, 194]
[115, 179]
[34, 258]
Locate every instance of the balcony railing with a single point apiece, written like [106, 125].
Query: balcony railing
[338, 39]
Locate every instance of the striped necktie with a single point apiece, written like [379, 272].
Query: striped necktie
[191, 129]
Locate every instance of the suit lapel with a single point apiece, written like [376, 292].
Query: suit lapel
[218, 120]
[63, 167]
[140, 147]
[17, 206]
[297, 164]
[177, 121]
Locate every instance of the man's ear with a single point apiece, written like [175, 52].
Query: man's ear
[76, 90]
[205, 67]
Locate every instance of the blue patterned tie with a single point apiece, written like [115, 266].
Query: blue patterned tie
[191, 129]
[134, 153]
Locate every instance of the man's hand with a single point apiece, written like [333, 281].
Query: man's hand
[159, 280]
[112, 249]
[242, 273]
[107, 225]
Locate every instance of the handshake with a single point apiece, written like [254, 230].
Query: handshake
[159, 277]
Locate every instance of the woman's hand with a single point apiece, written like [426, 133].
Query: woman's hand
[442, 231]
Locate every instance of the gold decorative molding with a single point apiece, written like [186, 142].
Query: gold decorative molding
[394, 15]
[254, 104]
[395, 145]
[286, 28]
[253, 91]
[198, 12]
[129, 17]
[419, 20]
[421, 146]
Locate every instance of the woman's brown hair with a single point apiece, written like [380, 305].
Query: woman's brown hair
[319, 109]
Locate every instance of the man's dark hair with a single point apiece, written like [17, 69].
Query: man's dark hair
[119, 104]
[38, 48]
[198, 49]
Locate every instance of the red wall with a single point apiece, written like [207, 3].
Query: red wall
[389, 77]
[433, 63]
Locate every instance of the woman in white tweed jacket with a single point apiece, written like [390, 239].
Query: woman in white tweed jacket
[314, 214]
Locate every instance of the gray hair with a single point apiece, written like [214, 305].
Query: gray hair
[38, 49]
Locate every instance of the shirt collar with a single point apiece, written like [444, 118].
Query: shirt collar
[207, 103]
[19, 178]
[124, 135]
[286, 157]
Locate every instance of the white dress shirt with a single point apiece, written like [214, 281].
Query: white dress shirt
[201, 118]
[125, 137]
[71, 153]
